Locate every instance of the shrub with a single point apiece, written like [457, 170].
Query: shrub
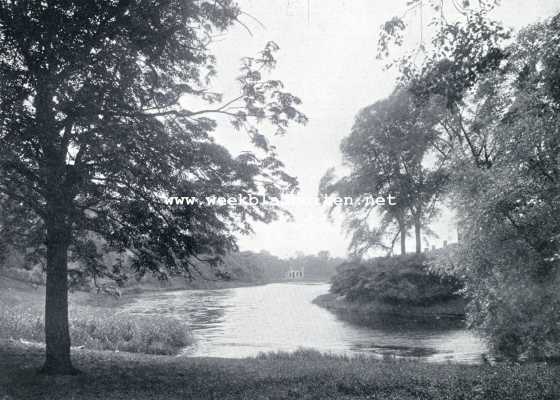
[520, 321]
[406, 280]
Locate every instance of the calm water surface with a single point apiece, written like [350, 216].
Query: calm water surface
[244, 321]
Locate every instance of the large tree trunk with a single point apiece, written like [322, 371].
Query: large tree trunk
[59, 232]
[57, 335]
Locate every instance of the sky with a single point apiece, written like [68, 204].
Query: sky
[327, 58]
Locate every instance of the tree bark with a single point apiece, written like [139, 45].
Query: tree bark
[402, 228]
[58, 199]
[418, 235]
[57, 334]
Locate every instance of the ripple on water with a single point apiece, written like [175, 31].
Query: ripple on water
[242, 322]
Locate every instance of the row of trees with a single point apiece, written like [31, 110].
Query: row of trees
[270, 268]
[389, 152]
[478, 121]
[238, 267]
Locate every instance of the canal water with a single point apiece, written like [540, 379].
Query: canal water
[244, 321]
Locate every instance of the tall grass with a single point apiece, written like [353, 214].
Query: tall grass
[100, 329]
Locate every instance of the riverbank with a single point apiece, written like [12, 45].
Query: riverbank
[94, 321]
[449, 313]
[179, 283]
[395, 290]
[302, 375]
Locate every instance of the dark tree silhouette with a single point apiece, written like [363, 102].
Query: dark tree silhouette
[386, 152]
[95, 135]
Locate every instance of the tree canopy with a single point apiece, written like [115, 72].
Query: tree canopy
[495, 98]
[96, 133]
[388, 152]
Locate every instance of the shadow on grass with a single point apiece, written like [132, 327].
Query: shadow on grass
[300, 375]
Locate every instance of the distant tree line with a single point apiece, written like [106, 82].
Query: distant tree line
[243, 267]
[270, 268]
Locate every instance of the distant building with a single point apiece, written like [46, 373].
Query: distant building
[446, 245]
[295, 273]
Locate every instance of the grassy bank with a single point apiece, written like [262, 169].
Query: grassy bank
[95, 322]
[399, 290]
[303, 375]
[448, 313]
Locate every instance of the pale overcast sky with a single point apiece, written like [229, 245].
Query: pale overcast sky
[327, 58]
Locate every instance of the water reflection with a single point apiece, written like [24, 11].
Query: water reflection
[244, 321]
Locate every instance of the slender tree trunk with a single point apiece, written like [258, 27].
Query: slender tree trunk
[418, 235]
[402, 228]
[57, 335]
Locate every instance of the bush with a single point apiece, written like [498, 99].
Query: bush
[33, 275]
[514, 287]
[401, 280]
[520, 321]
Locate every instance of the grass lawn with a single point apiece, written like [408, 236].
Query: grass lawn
[302, 375]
